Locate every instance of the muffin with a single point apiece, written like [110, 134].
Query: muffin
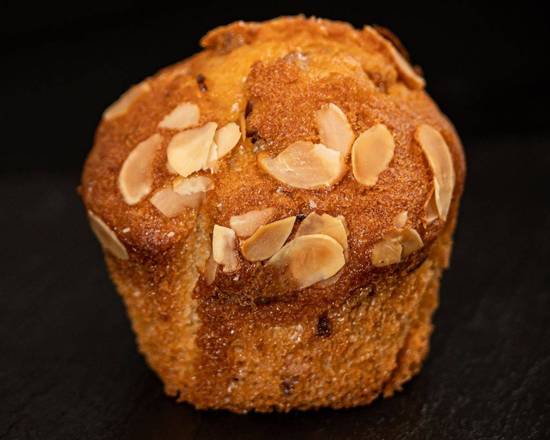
[276, 212]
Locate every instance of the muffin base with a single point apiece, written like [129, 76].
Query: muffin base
[368, 346]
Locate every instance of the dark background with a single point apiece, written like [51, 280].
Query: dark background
[68, 363]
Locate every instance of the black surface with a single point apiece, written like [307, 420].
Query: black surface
[69, 366]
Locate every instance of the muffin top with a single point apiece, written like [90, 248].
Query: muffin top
[304, 153]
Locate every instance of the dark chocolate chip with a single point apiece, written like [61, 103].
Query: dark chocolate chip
[248, 108]
[323, 326]
[287, 386]
[265, 300]
[201, 81]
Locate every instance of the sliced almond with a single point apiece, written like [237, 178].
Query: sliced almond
[395, 246]
[330, 281]
[242, 124]
[409, 75]
[324, 224]
[183, 116]
[371, 154]
[439, 157]
[226, 138]
[192, 190]
[168, 202]
[170, 169]
[107, 238]
[400, 220]
[136, 175]
[193, 200]
[224, 248]
[212, 163]
[122, 104]
[411, 241]
[430, 210]
[188, 151]
[172, 204]
[309, 259]
[334, 129]
[345, 223]
[267, 240]
[304, 165]
[246, 224]
[192, 185]
[210, 270]
[386, 252]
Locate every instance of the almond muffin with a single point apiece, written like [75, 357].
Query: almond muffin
[276, 212]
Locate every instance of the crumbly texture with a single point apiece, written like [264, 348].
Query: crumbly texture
[246, 342]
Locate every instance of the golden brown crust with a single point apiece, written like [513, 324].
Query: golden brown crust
[200, 338]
